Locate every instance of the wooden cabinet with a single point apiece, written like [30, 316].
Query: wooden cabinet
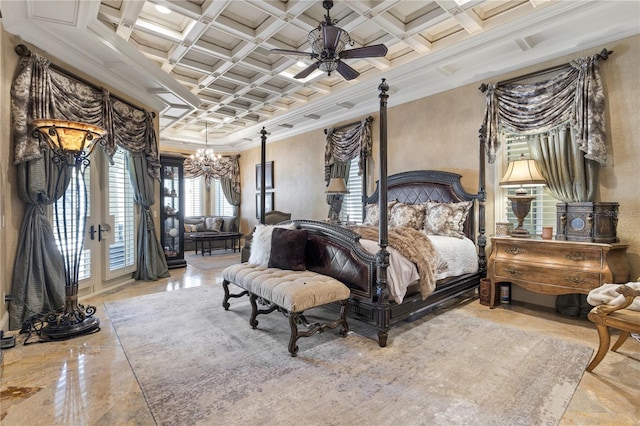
[172, 210]
[556, 267]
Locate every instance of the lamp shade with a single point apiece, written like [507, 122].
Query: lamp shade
[69, 137]
[337, 186]
[522, 172]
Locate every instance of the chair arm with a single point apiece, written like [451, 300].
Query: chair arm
[628, 293]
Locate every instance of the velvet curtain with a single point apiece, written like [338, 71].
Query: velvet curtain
[344, 146]
[569, 176]
[340, 149]
[573, 98]
[41, 269]
[152, 263]
[40, 91]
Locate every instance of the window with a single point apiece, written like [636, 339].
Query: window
[121, 208]
[352, 202]
[68, 218]
[543, 206]
[222, 207]
[193, 196]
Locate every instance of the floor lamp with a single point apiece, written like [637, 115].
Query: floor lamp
[71, 143]
[520, 173]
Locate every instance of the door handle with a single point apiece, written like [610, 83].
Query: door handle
[92, 231]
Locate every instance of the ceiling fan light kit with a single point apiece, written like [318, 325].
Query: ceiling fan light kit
[328, 44]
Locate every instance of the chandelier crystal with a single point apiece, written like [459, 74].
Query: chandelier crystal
[204, 158]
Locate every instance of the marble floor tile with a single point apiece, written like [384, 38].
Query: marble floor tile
[88, 381]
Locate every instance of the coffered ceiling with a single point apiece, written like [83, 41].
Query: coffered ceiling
[210, 60]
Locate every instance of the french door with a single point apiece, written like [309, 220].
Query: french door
[108, 255]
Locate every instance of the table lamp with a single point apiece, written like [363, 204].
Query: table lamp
[337, 187]
[521, 173]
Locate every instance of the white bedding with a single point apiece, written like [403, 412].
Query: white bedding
[456, 256]
[606, 294]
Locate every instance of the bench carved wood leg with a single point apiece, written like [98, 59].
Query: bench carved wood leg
[293, 324]
[228, 295]
[255, 311]
[315, 328]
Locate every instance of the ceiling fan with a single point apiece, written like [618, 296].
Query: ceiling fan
[327, 48]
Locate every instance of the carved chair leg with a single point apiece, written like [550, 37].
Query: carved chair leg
[605, 340]
[621, 339]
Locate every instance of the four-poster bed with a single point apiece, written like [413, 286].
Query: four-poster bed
[340, 252]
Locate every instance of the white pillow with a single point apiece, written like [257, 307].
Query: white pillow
[261, 243]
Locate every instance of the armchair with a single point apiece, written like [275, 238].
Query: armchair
[625, 320]
[270, 218]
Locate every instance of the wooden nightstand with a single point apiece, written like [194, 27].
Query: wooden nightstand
[556, 267]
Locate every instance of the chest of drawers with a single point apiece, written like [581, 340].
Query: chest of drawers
[556, 267]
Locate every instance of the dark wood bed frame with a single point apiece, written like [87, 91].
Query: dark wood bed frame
[334, 250]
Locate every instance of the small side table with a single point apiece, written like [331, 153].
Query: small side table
[555, 267]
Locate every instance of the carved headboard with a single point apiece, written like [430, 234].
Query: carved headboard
[420, 186]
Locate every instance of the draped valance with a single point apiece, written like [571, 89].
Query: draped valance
[41, 91]
[344, 146]
[574, 96]
[224, 167]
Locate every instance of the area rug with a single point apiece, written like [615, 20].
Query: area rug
[199, 364]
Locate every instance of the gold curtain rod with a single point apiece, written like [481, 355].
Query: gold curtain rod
[24, 52]
[604, 54]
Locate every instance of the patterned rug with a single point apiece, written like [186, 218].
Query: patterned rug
[199, 364]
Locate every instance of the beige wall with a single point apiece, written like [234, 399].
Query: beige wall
[441, 132]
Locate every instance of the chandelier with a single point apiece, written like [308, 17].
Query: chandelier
[204, 159]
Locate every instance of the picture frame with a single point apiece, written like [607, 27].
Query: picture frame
[268, 176]
[268, 203]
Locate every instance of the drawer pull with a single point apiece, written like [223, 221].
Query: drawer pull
[513, 272]
[576, 257]
[514, 251]
[576, 280]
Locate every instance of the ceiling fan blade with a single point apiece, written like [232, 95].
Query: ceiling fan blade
[377, 50]
[308, 70]
[291, 52]
[331, 36]
[346, 71]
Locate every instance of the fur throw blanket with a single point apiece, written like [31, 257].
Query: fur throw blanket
[606, 294]
[412, 244]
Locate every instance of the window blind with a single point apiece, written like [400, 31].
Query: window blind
[352, 202]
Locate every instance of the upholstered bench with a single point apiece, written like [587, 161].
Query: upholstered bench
[290, 292]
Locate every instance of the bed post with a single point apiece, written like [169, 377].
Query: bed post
[482, 197]
[263, 172]
[382, 257]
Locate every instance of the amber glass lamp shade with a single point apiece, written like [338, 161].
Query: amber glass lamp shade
[69, 137]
